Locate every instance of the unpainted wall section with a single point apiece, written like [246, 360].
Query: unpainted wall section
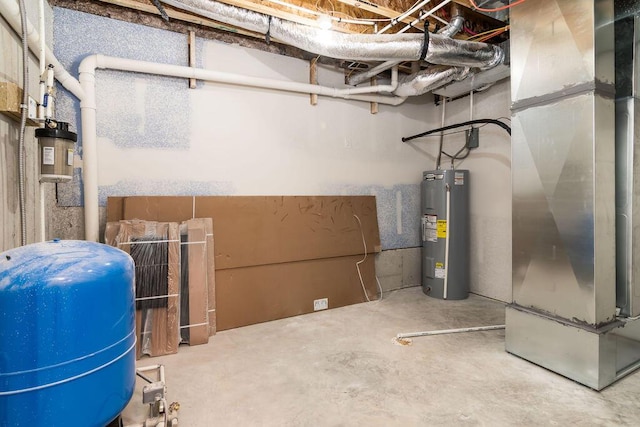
[11, 71]
[156, 136]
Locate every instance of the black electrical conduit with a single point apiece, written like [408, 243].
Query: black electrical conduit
[458, 125]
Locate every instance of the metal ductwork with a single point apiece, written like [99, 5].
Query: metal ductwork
[564, 315]
[429, 79]
[453, 27]
[433, 48]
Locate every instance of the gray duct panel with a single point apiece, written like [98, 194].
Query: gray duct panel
[593, 357]
[628, 205]
[553, 48]
[564, 182]
[627, 162]
[563, 219]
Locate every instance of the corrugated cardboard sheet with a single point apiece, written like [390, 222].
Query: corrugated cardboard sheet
[195, 327]
[275, 254]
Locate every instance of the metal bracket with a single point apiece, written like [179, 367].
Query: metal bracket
[152, 392]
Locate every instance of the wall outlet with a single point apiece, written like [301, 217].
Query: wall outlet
[320, 304]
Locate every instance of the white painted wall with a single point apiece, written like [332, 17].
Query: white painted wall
[490, 179]
[11, 71]
[156, 136]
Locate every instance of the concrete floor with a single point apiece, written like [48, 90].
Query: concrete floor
[341, 367]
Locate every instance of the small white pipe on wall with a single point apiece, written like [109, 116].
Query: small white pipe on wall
[41, 113]
[87, 71]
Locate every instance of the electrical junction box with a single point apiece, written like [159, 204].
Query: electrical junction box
[445, 233]
[473, 137]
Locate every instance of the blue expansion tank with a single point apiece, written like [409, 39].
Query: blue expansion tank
[67, 334]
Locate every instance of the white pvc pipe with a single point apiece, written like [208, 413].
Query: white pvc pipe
[387, 100]
[89, 155]
[446, 241]
[366, 75]
[43, 215]
[316, 13]
[404, 15]
[41, 56]
[450, 331]
[87, 71]
[41, 112]
[91, 63]
[11, 12]
[429, 13]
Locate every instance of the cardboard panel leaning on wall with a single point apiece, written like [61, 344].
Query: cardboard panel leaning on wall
[260, 230]
[256, 229]
[157, 327]
[194, 324]
[211, 276]
[257, 294]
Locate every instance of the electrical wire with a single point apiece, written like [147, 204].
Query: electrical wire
[364, 243]
[497, 9]
[364, 290]
[507, 128]
[463, 131]
[23, 125]
[484, 33]
[444, 102]
[455, 156]
[469, 31]
[494, 34]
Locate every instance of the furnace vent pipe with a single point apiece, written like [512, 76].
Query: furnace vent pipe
[454, 27]
[430, 79]
[449, 31]
[433, 48]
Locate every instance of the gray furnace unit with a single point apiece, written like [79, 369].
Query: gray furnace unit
[445, 233]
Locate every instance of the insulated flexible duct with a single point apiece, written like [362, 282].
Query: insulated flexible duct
[429, 79]
[358, 47]
[454, 27]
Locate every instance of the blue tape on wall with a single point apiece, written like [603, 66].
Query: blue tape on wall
[133, 110]
[165, 188]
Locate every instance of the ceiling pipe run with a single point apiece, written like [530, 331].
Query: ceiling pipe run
[449, 31]
[433, 48]
[439, 49]
[372, 72]
[370, 47]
